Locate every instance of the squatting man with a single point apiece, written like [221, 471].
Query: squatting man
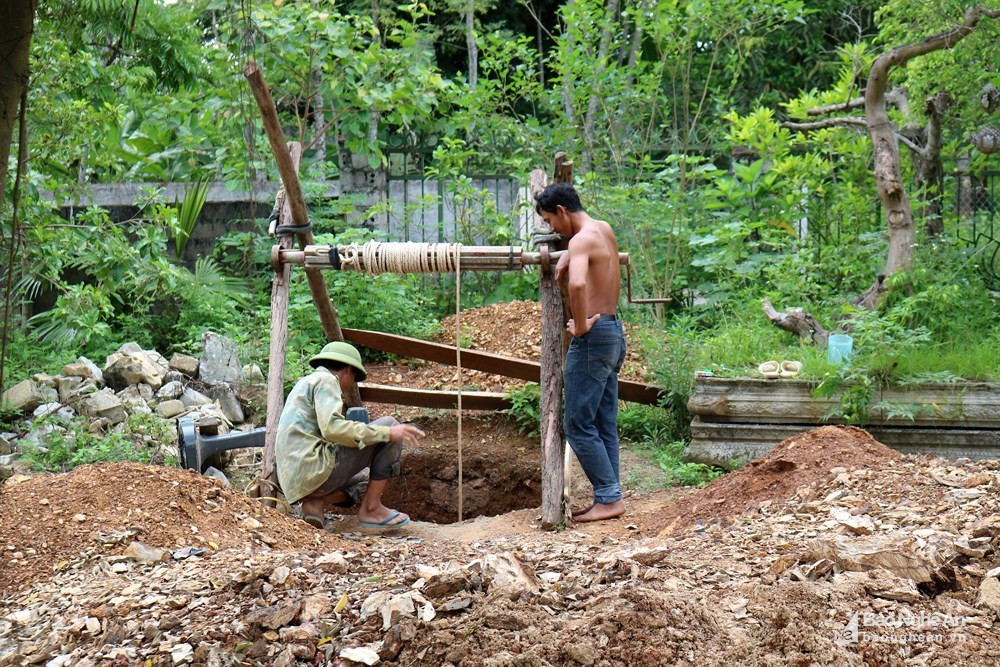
[326, 460]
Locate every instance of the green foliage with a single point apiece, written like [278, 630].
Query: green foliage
[515, 286]
[356, 67]
[663, 95]
[68, 444]
[961, 70]
[670, 457]
[526, 408]
[673, 360]
[78, 318]
[187, 214]
[645, 424]
[123, 285]
[879, 342]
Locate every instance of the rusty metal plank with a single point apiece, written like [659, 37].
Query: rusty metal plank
[522, 369]
[444, 354]
[426, 398]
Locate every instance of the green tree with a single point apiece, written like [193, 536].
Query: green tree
[886, 135]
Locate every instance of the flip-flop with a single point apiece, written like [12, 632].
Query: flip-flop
[385, 523]
[315, 521]
[770, 369]
[790, 369]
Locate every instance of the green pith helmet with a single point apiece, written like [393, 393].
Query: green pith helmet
[345, 353]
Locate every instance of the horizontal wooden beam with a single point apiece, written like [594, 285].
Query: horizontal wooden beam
[522, 369]
[427, 398]
[134, 194]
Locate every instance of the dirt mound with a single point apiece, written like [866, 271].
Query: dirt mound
[50, 519]
[512, 329]
[795, 462]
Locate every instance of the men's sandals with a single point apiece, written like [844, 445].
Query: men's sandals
[785, 369]
[386, 523]
[770, 369]
[315, 521]
[790, 369]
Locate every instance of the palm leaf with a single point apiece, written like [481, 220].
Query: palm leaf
[208, 276]
[188, 213]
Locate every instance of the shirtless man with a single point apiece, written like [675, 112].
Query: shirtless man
[597, 351]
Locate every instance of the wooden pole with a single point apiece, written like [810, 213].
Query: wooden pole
[282, 156]
[275, 376]
[296, 208]
[563, 173]
[554, 511]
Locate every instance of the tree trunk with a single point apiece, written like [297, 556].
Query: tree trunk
[928, 169]
[319, 124]
[551, 375]
[15, 49]
[470, 43]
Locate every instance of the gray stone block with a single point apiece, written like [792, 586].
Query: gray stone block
[228, 403]
[24, 396]
[170, 409]
[84, 368]
[104, 404]
[186, 364]
[130, 368]
[192, 399]
[219, 361]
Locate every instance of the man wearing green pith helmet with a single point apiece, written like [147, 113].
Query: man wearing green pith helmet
[321, 456]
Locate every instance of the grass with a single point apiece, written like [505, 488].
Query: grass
[977, 360]
[648, 430]
[669, 458]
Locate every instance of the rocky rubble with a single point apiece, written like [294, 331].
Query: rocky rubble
[892, 561]
[133, 381]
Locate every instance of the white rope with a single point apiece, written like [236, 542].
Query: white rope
[458, 363]
[375, 257]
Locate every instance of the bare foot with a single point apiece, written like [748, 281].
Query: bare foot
[317, 506]
[602, 511]
[584, 510]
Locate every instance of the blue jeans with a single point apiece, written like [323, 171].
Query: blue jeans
[591, 406]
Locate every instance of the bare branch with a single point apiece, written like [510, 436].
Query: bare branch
[896, 97]
[803, 324]
[840, 121]
[899, 56]
[856, 103]
[888, 176]
[909, 143]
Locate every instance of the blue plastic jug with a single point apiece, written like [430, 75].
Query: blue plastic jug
[838, 349]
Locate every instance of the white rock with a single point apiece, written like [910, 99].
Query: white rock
[363, 654]
[182, 653]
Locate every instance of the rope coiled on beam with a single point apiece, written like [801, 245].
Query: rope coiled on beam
[375, 257]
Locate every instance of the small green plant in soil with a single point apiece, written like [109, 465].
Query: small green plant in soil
[67, 444]
[649, 430]
[525, 408]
